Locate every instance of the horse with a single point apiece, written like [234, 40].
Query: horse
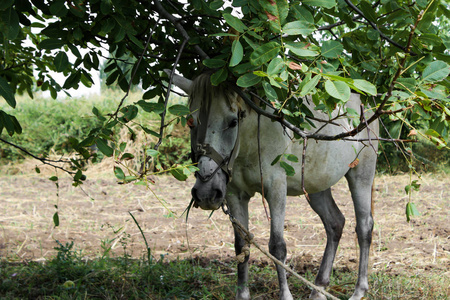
[225, 147]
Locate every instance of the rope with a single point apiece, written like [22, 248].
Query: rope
[249, 238]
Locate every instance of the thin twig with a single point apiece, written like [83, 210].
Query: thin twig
[305, 142]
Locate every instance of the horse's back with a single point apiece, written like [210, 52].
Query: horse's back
[326, 162]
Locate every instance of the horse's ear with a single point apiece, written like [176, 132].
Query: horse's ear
[181, 82]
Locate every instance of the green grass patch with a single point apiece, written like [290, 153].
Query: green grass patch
[70, 276]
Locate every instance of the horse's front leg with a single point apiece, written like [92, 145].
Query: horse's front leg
[276, 197]
[238, 204]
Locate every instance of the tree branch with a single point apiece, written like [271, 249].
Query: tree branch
[45, 161]
[406, 49]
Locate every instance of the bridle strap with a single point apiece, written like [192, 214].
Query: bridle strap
[226, 164]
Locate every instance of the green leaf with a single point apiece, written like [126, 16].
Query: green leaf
[411, 210]
[149, 131]
[237, 53]
[278, 10]
[153, 153]
[368, 10]
[265, 53]
[11, 19]
[298, 28]
[292, 157]
[179, 173]
[56, 219]
[270, 92]
[224, 34]
[118, 172]
[50, 44]
[78, 175]
[277, 159]
[301, 49]
[331, 49]
[58, 8]
[7, 92]
[127, 156]
[436, 71]
[135, 41]
[322, 3]
[54, 178]
[102, 145]
[37, 170]
[248, 80]
[219, 76]
[214, 63]
[4, 4]
[179, 110]
[309, 85]
[338, 89]
[61, 61]
[288, 168]
[216, 4]
[235, 22]
[275, 66]
[156, 108]
[365, 86]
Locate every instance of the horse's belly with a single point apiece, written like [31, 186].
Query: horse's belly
[325, 164]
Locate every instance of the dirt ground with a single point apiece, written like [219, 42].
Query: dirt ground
[97, 217]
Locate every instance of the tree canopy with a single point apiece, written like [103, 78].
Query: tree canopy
[394, 53]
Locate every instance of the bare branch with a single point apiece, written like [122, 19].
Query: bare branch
[45, 161]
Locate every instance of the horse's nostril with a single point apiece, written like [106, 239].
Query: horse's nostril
[194, 194]
[219, 194]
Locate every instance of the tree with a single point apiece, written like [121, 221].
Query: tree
[394, 53]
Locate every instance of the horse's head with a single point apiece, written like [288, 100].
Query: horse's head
[214, 123]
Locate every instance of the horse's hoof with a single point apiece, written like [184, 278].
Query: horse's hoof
[243, 294]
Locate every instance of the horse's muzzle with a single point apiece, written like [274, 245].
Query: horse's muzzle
[211, 200]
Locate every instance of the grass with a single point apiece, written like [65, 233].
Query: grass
[69, 275]
[50, 125]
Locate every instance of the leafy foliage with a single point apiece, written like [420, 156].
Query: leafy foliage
[394, 53]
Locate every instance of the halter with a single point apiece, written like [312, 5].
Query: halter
[225, 163]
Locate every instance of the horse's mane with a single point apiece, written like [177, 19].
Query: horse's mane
[204, 93]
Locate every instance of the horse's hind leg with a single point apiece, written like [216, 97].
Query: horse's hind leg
[333, 220]
[360, 181]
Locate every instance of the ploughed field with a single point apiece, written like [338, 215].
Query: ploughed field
[96, 217]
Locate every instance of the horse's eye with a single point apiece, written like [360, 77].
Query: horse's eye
[233, 123]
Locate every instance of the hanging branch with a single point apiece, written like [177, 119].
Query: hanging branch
[169, 88]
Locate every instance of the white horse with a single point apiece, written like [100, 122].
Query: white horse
[224, 144]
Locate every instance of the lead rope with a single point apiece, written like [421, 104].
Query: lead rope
[249, 239]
